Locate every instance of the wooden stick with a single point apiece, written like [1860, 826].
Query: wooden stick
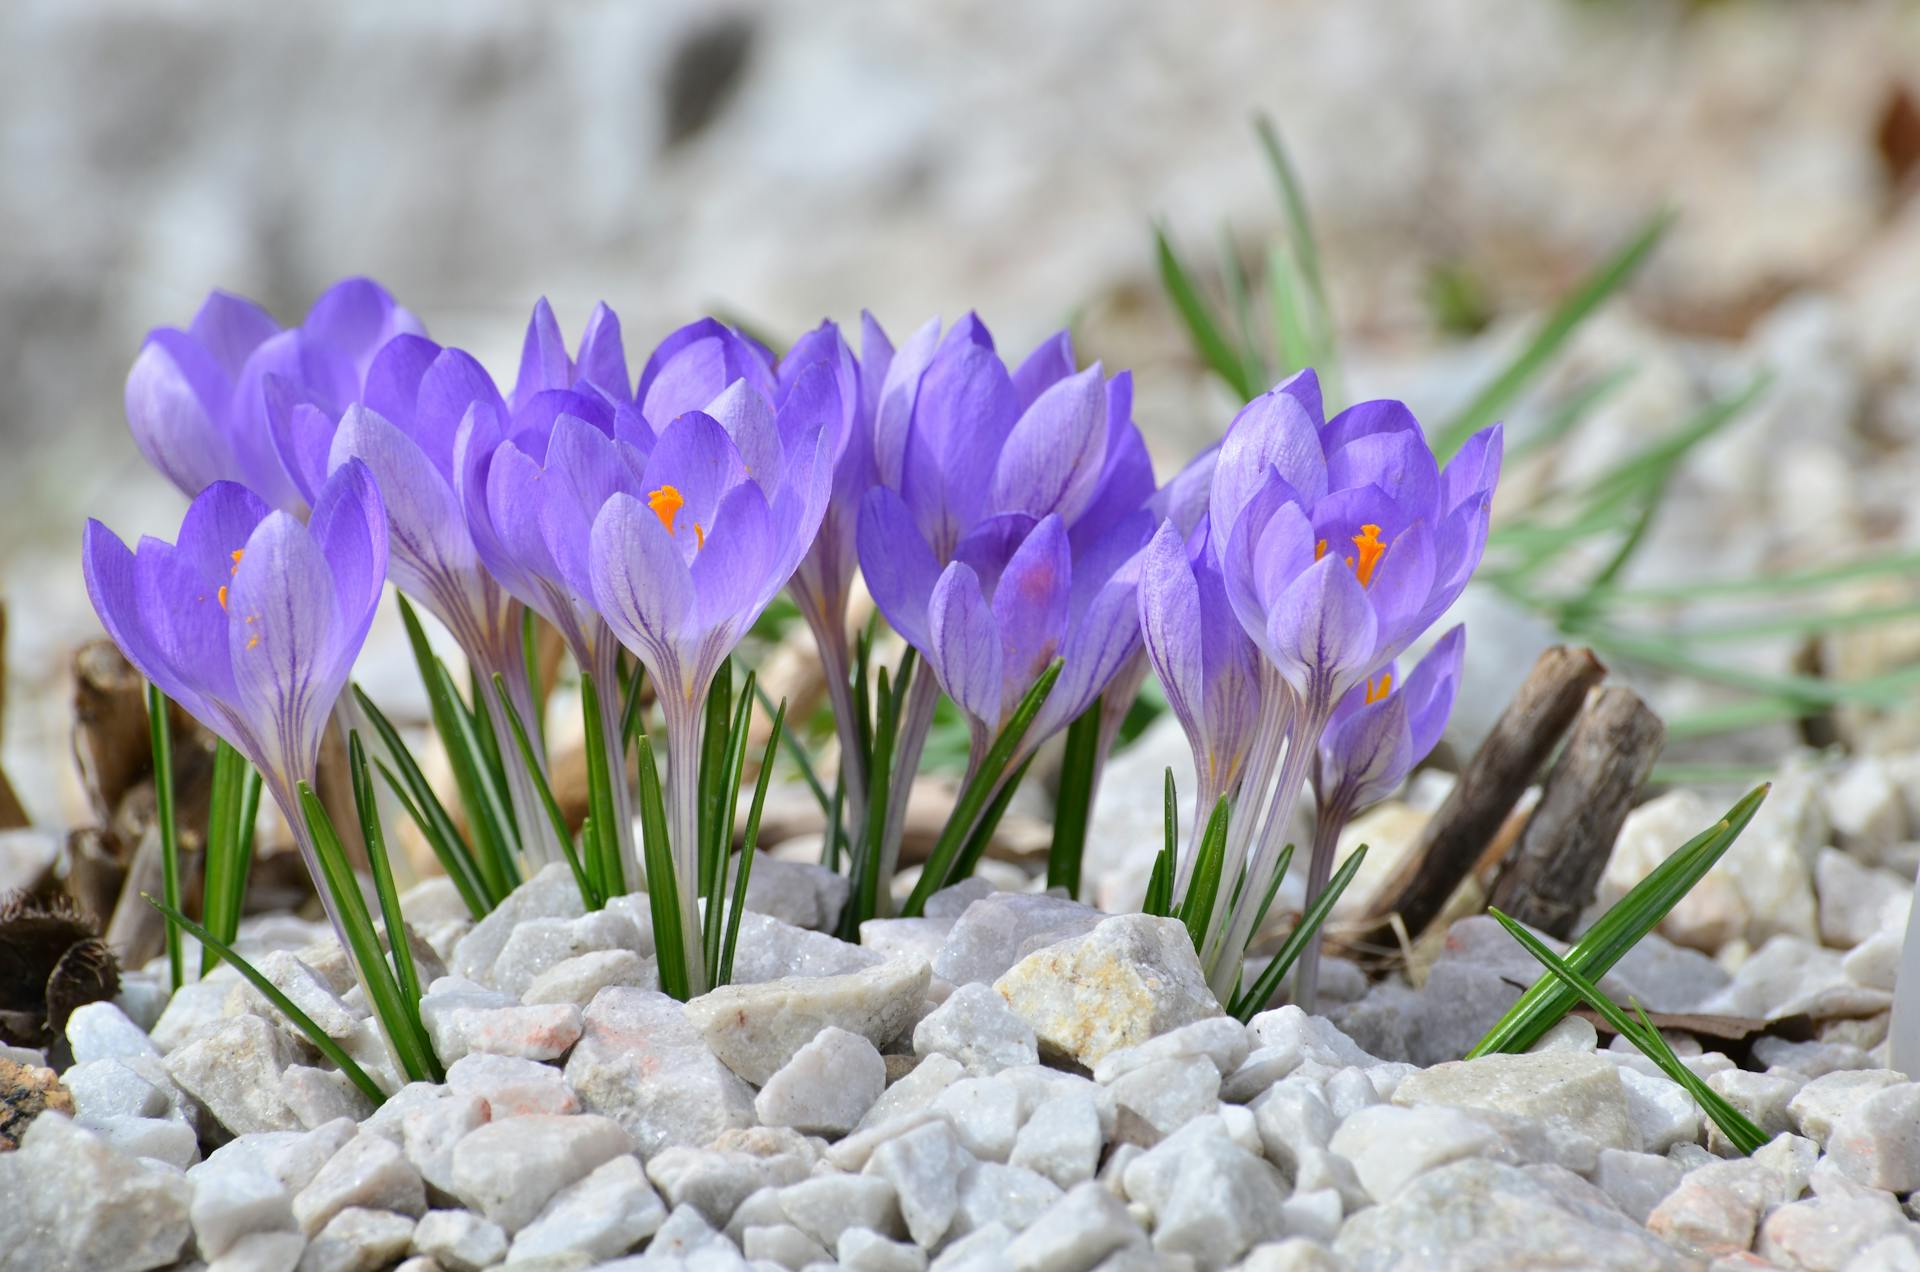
[1522, 739]
[1549, 877]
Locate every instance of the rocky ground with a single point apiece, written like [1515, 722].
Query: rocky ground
[1014, 1081]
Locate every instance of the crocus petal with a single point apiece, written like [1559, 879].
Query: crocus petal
[1050, 362]
[1170, 626]
[876, 362]
[690, 368]
[433, 557]
[393, 379]
[730, 573]
[1370, 419]
[174, 394]
[113, 587]
[543, 357]
[900, 568]
[184, 615]
[450, 386]
[965, 649]
[899, 390]
[1396, 462]
[988, 547]
[1474, 469]
[1053, 457]
[641, 584]
[749, 420]
[349, 526]
[303, 440]
[602, 360]
[283, 630]
[1269, 545]
[1368, 752]
[1184, 498]
[1321, 631]
[1272, 433]
[1030, 603]
[817, 398]
[1401, 589]
[229, 328]
[698, 460]
[1100, 641]
[961, 420]
[217, 524]
[357, 316]
[1430, 690]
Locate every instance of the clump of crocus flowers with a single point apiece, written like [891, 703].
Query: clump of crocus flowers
[1003, 514]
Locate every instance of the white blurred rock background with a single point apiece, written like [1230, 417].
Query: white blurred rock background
[780, 162]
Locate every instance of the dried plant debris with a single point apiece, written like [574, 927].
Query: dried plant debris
[51, 961]
[27, 1091]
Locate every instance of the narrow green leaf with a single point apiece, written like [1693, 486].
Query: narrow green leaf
[1196, 908]
[1901, 563]
[863, 901]
[271, 992]
[1299, 223]
[1197, 315]
[406, 976]
[1743, 1134]
[229, 844]
[1619, 929]
[608, 873]
[831, 844]
[1249, 1004]
[982, 835]
[1159, 899]
[1073, 806]
[1499, 393]
[1570, 414]
[530, 624]
[479, 728]
[713, 765]
[160, 736]
[966, 811]
[1233, 275]
[630, 707]
[747, 847]
[663, 894]
[429, 814]
[589, 890]
[733, 771]
[410, 1046]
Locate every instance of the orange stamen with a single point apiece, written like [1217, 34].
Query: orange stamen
[1319, 549]
[1368, 544]
[699, 536]
[237, 553]
[223, 596]
[666, 502]
[1375, 692]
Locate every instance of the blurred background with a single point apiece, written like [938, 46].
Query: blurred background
[1467, 163]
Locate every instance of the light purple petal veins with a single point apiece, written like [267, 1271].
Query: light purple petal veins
[965, 650]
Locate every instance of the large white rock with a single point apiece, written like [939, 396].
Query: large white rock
[924, 1167]
[826, 1088]
[552, 893]
[538, 945]
[976, 1027]
[755, 1029]
[512, 1086]
[358, 1239]
[576, 980]
[509, 1170]
[826, 1207]
[1087, 1225]
[1061, 1139]
[1001, 928]
[101, 1031]
[369, 1172]
[1581, 1092]
[71, 1201]
[1877, 1141]
[459, 1240]
[234, 1202]
[234, 1072]
[1130, 979]
[643, 1064]
[610, 1211]
[770, 950]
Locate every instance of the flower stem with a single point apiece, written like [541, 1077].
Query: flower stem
[1329, 821]
[683, 713]
[602, 662]
[916, 719]
[536, 836]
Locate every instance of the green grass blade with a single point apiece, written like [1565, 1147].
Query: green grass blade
[430, 815]
[227, 849]
[607, 872]
[1619, 929]
[406, 975]
[271, 992]
[732, 773]
[630, 707]
[863, 900]
[1196, 908]
[938, 871]
[1596, 289]
[976, 845]
[712, 778]
[1248, 1005]
[1195, 312]
[1273, 889]
[1240, 304]
[410, 1045]
[1293, 198]
[1743, 1134]
[747, 847]
[1900, 563]
[1570, 414]
[831, 844]
[589, 891]
[1073, 806]
[663, 896]
[160, 736]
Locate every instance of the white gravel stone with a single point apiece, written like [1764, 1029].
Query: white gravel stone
[538, 945]
[369, 1172]
[111, 1088]
[803, 893]
[827, 1087]
[576, 980]
[358, 1240]
[641, 1063]
[827, 1207]
[999, 929]
[192, 1008]
[101, 1031]
[917, 1090]
[1315, 1038]
[388, 1120]
[1292, 1119]
[235, 1202]
[1761, 1097]
[1865, 808]
[552, 893]
[1582, 1092]
[1895, 1253]
[1220, 1039]
[1084, 1227]
[1132, 978]
[234, 1072]
[924, 1167]
[1349, 1090]
[1314, 1214]
[862, 1251]
[263, 1252]
[429, 1133]
[771, 950]
[891, 938]
[1827, 1232]
[1295, 1254]
[985, 1114]
[292, 1157]
[1822, 1102]
[1661, 1111]
[1224, 1201]
[1169, 1093]
[72, 1201]
[319, 1096]
[1877, 1141]
[755, 1029]
[995, 1194]
[1263, 1067]
[544, 1031]
[1716, 1208]
[510, 1169]
[1857, 900]
[976, 1027]
[1875, 962]
[1061, 1140]
[511, 1086]
[1390, 1146]
[160, 1139]
[1637, 1182]
[782, 1244]
[459, 1240]
[1489, 1215]
[602, 1216]
[1809, 1059]
[308, 991]
[716, 1181]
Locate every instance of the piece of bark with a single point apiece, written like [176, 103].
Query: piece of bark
[96, 871]
[136, 933]
[1521, 741]
[1549, 877]
[110, 742]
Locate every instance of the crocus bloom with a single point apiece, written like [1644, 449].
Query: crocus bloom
[200, 400]
[681, 571]
[405, 429]
[1003, 531]
[1344, 540]
[1380, 730]
[251, 620]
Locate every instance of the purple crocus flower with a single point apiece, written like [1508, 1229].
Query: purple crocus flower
[405, 428]
[1380, 730]
[682, 571]
[200, 401]
[1344, 540]
[251, 620]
